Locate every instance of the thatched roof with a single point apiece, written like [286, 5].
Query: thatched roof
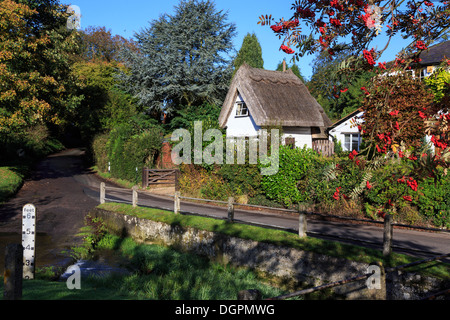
[274, 98]
[435, 54]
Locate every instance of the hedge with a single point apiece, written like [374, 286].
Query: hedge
[126, 149]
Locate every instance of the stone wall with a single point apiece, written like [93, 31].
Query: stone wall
[305, 267]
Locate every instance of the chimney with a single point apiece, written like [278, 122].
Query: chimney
[284, 65]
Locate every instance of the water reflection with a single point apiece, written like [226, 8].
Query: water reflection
[47, 254]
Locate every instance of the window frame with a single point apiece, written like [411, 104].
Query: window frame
[289, 142]
[351, 135]
[240, 106]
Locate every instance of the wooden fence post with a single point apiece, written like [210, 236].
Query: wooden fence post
[135, 196]
[230, 209]
[144, 177]
[102, 192]
[13, 273]
[177, 180]
[176, 205]
[302, 223]
[387, 235]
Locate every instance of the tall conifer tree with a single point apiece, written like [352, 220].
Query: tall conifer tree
[250, 53]
[182, 59]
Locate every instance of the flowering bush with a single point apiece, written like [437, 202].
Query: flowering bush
[330, 22]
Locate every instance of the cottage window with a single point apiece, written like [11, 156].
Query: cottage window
[241, 109]
[352, 141]
[426, 72]
[290, 142]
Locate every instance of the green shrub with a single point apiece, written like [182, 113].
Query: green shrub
[116, 153]
[100, 151]
[434, 200]
[28, 146]
[142, 149]
[128, 148]
[242, 179]
[261, 200]
[11, 180]
[295, 165]
[385, 186]
[325, 176]
[215, 188]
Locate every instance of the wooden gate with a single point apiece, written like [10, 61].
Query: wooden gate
[152, 177]
[325, 147]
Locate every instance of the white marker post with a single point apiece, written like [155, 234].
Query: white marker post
[29, 240]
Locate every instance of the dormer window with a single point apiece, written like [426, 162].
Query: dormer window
[241, 109]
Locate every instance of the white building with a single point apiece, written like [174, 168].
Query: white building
[345, 131]
[260, 98]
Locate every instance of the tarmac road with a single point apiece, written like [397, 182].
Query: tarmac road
[61, 205]
[413, 242]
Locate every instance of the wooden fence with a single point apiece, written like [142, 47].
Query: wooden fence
[325, 147]
[302, 232]
[153, 177]
[383, 286]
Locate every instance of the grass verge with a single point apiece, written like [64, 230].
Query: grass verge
[11, 179]
[108, 176]
[14, 171]
[281, 238]
[163, 273]
[156, 273]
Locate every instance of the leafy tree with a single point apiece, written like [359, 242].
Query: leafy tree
[98, 44]
[331, 23]
[95, 80]
[104, 104]
[328, 80]
[37, 86]
[250, 53]
[185, 117]
[181, 59]
[119, 108]
[50, 15]
[392, 127]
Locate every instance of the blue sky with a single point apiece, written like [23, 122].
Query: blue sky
[130, 16]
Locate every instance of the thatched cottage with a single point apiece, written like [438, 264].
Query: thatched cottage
[260, 98]
[431, 59]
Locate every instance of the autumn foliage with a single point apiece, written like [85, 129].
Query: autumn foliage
[34, 65]
[20, 105]
[391, 126]
[399, 110]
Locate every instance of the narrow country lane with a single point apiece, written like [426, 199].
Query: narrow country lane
[56, 189]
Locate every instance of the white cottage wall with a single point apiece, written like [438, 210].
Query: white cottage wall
[241, 126]
[302, 136]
